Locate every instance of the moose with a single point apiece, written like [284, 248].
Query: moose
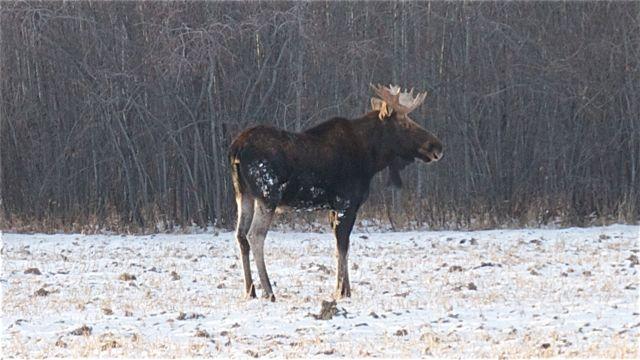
[329, 166]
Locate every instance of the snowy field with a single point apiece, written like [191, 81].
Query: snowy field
[514, 293]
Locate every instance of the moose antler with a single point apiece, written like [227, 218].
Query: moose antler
[401, 102]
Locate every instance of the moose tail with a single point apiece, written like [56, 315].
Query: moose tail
[236, 176]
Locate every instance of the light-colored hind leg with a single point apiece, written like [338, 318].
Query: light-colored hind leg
[262, 217]
[245, 216]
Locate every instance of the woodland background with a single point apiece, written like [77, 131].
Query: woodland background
[118, 115]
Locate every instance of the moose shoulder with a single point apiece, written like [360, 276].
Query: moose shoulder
[329, 166]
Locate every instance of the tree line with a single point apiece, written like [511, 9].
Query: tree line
[118, 115]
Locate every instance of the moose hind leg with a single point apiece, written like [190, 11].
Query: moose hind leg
[245, 216]
[342, 224]
[262, 216]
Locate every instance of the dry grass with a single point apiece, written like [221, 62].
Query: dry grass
[168, 296]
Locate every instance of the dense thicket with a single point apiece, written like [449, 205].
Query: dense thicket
[120, 114]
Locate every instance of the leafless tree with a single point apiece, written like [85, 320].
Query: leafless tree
[119, 115]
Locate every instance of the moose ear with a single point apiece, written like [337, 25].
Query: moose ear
[384, 110]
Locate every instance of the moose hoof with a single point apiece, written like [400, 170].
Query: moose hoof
[343, 293]
[269, 297]
[251, 294]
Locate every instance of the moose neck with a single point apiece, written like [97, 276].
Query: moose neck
[371, 132]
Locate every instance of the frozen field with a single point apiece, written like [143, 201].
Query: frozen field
[569, 292]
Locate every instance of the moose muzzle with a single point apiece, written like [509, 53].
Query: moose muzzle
[430, 151]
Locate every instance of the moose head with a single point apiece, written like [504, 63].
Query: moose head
[412, 140]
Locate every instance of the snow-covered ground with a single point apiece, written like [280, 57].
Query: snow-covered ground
[495, 293]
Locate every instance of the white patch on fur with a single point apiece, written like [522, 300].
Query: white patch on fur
[316, 192]
[264, 177]
[342, 203]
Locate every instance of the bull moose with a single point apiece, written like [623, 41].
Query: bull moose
[329, 166]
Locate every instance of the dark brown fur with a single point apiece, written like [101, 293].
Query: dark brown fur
[328, 166]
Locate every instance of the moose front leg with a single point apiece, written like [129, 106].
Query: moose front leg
[342, 223]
